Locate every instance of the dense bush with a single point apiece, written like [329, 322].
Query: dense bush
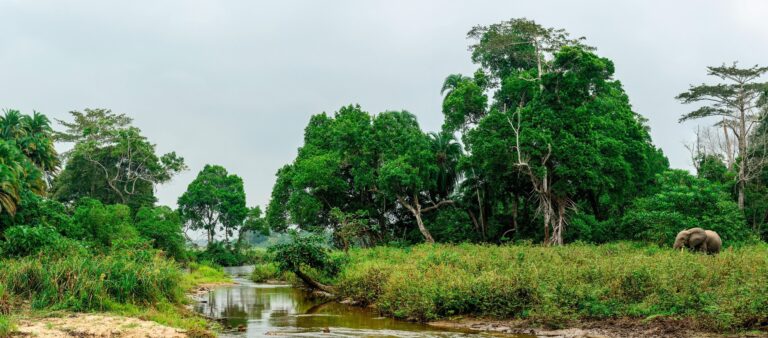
[683, 201]
[221, 253]
[162, 226]
[24, 240]
[82, 282]
[265, 272]
[304, 252]
[102, 224]
[552, 285]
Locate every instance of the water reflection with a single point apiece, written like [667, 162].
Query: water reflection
[279, 310]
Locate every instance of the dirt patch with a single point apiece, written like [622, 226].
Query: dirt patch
[203, 289]
[93, 325]
[612, 328]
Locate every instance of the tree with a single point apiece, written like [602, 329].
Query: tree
[409, 168]
[215, 199]
[682, 201]
[336, 167]
[254, 223]
[112, 161]
[34, 137]
[559, 126]
[27, 158]
[516, 46]
[302, 252]
[736, 103]
[163, 227]
[101, 224]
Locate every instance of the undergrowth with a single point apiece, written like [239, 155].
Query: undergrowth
[552, 285]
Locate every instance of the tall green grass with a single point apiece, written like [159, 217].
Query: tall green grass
[552, 285]
[84, 282]
[6, 326]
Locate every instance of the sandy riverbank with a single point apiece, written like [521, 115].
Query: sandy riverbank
[612, 328]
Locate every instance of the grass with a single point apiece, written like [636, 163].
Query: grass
[137, 284]
[87, 283]
[203, 274]
[554, 285]
[6, 326]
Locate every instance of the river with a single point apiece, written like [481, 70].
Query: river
[265, 310]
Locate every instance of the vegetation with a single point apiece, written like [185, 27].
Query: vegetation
[540, 146]
[553, 286]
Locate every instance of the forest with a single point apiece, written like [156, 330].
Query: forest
[542, 198]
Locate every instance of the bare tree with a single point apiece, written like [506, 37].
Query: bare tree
[552, 207]
[737, 102]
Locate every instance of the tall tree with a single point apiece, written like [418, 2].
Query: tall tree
[409, 168]
[112, 161]
[559, 126]
[27, 158]
[215, 200]
[33, 135]
[736, 102]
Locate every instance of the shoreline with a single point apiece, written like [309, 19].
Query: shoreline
[607, 328]
[141, 323]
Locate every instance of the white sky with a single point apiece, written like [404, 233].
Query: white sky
[235, 82]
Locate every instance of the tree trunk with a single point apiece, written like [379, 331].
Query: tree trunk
[416, 211]
[423, 229]
[313, 283]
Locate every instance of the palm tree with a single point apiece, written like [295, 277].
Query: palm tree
[451, 82]
[38, 143]
[447, 152]
[33, 135]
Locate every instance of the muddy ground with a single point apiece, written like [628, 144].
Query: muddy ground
[612, 328]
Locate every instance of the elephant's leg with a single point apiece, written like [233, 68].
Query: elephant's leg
[704, 247]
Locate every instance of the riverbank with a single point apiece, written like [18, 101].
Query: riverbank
[560, 287]
[605, 328]
[92, 295]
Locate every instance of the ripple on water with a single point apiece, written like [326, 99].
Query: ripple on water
[265, 310]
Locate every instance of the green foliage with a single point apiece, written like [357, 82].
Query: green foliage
[7, 326]
[101, 224]
[163, 227]
[302, 252]
[111, 161]
[683, 201]
[18, 175]
[354, 169]
[84, 283]
[23, 240]
[214, 199]
[202, 273]
[33, 135]
[265, 272]
[553, 285]
[222, 254]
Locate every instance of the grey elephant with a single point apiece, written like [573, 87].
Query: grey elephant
[698, 239]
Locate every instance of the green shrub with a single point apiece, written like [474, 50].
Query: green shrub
[6, 326]
[264, 272]
[552, 285]
[223, 254]
[84, 283]
[24, 240]
[101, 223]
[163, 227]
[303, 252]
[684, 201]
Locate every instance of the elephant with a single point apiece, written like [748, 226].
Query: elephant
[698, 239]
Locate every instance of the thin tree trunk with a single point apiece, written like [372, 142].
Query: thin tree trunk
[416, 211]
[313, 283]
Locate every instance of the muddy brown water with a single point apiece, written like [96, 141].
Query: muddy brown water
[264, 310]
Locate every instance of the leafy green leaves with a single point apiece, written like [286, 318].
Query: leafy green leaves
[214, 199]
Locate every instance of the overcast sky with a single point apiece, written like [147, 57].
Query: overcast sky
[235, 82]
